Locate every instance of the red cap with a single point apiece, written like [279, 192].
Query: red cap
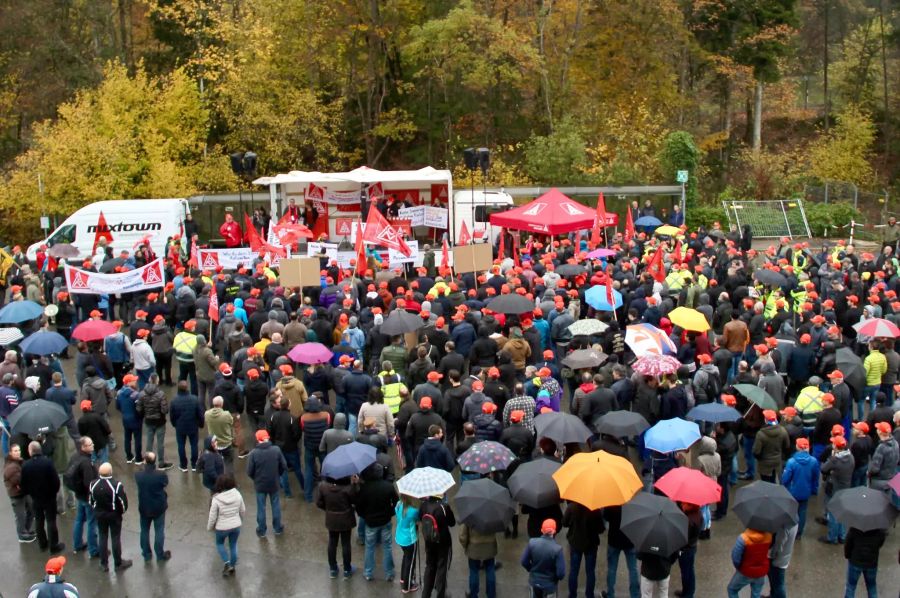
[345, 359]
[839, 442]
[225, 369]
[805, 339]
[425, 402]
[434, 376]
[548, 354]
[55, 565]
[253, 374]
[548, 526]
[544, 372]
[789, 412]
[828, 398]
[770, 415]
[802, 444]
[704, 358]
[488, 407]
[252, 352]
[262, 436]
[86, 405]
[95, 313]
[286, 370]
[516, 416]
[837, 430]
[159, 318]
[883, 428]
[143, 332]
[478, 385]
[818, 320]
[140, 314]
[729, 400]
[761, 349]
[862, 427]
[494, 373]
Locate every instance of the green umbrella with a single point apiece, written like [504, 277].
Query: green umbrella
[757, 395]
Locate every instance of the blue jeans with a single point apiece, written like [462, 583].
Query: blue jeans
[853, 573]
[749, 458]
[777, 587]
[688, 577]
[735, 360]
[733, 476]
[374, 536]
[739, 581]
[836, 531]
[180, 439]
[232, 536]
[293, 464]
[868, 396]
[351, 424]
[309, 464]
[133, 443]
[4, 436]
[101, 456]
[275, 499]
[490, 577]
[144, 377]
[590, 572]
[85, 514]
[859, 476]
[612, 563]
[159, 536]
[802, 505]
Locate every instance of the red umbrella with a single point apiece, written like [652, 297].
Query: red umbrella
[688, 485]
[93, 330]
[877, 327]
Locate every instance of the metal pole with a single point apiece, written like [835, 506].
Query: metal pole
[683, 204]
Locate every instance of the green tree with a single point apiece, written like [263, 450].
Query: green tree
[133, 136]
[558, 158]
[681, 153]
[843, 153]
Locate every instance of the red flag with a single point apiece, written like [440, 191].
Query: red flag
[677, 252]
[656, 268]
[464, 236]
[578, 241]
[610, 297]
[599, 220]
[213, 310]
[445, 255]
[194, 260]
[252, 236]
[629, 226]
[102, 232]
[380, 232]
[360, 248]
[502, 249]
[515, 250]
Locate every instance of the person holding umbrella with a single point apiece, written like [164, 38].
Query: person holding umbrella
[407, 538]
[544, 560]
[750, 557]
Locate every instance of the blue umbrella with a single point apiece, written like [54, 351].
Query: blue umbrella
[596, 298]
[714, 412]
[672, 435]
[647, 221]
[347, 460]
[44, 342]
[20, 311]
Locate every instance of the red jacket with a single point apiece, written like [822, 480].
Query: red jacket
[751, 553]
[232, 233]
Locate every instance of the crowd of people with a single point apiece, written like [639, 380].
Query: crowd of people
[225, 385]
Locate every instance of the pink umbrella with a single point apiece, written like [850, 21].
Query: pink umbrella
[310, 353]
[93, 330]
[652, 364]
[895, 484]
[877, 327]
[689, 485]
[602, 252]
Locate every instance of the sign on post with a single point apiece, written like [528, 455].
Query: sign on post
[682, 176]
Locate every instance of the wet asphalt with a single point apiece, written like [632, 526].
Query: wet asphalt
[295, 563]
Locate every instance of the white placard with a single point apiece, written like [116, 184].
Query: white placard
[396, 257]
[415, 215]
[151, 276]
[435, 217]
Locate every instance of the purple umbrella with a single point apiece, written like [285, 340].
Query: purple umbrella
[895, 484]
[602, 252]
[310, 353]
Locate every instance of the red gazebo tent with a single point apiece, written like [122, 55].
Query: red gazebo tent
[551, 214]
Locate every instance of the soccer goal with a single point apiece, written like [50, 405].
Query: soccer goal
[769, 219]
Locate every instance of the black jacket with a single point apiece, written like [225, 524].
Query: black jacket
[861, 548]
[152, 405]
[85, 473]
[417, 429]
[96, 428]
[186, 414]
[284, 430]
[233, 401]
[356, 390]
[434, 454]
[40, 481]
[255, 394]
[151, 484]
[108, 498]
[375, 502]
[585, 527]
[597, 403]
[518, 439]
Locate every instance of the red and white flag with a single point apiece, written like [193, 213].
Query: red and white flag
[213, 311]
[465, 237]
[360, 249]
[445, 255]
[380, 232]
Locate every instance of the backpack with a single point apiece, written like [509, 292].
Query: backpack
[431, 527]
[71, 477]
[713, 387]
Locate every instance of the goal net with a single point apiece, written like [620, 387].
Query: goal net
[769, 219]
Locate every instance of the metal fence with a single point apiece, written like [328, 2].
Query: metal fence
[874, 208]
[769, 219]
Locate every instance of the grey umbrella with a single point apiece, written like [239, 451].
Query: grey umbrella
[621, 424]
[852, 367]
[654, 524]
[770, 277]
[561, 427]
[484, 505]
[570, 270]
[532, 483]
[864, 508]
[110, 265]
[401, 321]
[765, 507]
[511, 303]
[64, 250]
[584, 358]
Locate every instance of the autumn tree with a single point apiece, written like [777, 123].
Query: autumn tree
[843, 153]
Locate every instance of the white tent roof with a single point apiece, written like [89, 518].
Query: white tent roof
[363, 174]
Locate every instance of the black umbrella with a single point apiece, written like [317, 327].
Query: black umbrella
[765, 507]
[654, 524]
[584, 358]
[770, 277]
[37, 417]
[864, 508]
[716, 233]
[570, 269]
[532, 483]
[851, 366]
[110, 265]
[621, 424]
[400, 322]
[511, 303]
[484, 505]
[561, 427]
[64, 250]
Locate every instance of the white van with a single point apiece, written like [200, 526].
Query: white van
[123, 223]
[475, 209]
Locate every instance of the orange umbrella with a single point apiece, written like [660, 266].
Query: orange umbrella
[597, 480]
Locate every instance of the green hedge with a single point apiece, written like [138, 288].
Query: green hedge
[822, 215]
[705, 215]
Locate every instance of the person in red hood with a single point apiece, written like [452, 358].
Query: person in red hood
[231, 232]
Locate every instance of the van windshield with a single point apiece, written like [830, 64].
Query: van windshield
[64, 234]
[483, 213]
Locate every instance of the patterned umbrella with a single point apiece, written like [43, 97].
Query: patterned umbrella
[486, 456]
[656, 365]
[587, 327]
[423, 482]
[647, 339]
[877, 327]
[310, 353]
[9, 335]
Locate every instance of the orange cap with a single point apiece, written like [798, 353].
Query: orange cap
[86, 405]
[802, 444]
